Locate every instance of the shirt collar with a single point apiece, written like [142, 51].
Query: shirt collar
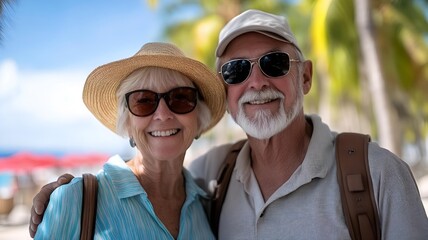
[123, 179]
[127, 185]
[317, 162]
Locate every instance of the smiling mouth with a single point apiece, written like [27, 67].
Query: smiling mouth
[166, 133]
[262, 101]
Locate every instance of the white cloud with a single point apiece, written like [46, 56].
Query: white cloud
[44, 110]
[51, 96]
[48, 96]
[8, 76]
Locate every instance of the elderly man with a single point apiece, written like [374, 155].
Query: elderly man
[284, 183]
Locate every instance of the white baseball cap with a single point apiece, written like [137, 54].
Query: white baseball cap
[271, 25]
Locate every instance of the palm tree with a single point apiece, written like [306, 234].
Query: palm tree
[371, 62]
[395, 35]
[3, 6]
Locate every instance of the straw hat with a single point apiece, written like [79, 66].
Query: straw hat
[99, 92]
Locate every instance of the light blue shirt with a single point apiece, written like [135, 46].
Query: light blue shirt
[123, 210]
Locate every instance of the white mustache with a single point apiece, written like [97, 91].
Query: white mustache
[263, 95]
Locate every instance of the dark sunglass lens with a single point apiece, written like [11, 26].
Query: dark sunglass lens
[182, 100]
[142, 103]
[236, 71]
[275, 64]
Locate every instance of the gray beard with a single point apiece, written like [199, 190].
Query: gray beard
[265, 123]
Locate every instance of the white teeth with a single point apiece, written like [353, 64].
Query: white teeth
[164, 133]
[260, 101]
[260, 97]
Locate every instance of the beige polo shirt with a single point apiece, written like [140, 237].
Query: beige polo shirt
[308, 205]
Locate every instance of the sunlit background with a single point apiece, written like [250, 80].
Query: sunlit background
[48, 47]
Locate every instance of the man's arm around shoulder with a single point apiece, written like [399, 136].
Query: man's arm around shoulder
[205, 168]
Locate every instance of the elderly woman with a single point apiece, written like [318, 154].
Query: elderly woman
[161, 100]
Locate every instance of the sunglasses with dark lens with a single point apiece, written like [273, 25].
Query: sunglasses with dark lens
[274, 64]
[179, 100]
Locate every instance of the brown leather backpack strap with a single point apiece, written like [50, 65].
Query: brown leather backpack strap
[356, 190]
[89, 206]
[223, 180]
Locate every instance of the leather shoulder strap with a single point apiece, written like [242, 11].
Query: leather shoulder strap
[356, 190]
[89, 206]
[223, 180]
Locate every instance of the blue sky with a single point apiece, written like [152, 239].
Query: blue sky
[48, 49]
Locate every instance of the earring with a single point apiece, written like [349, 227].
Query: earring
[197, 136]
[132, 142]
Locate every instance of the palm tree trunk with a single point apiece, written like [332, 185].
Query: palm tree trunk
[382, 110]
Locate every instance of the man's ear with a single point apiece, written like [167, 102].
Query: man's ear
[307, 76]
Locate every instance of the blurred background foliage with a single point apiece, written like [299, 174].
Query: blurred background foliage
[370, 60]
[381, 90]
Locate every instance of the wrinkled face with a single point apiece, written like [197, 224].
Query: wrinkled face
[163, 135]
[262, 105]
